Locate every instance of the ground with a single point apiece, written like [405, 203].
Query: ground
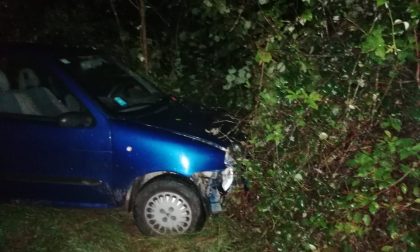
[39, 228]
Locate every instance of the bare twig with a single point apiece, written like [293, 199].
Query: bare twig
[143, 34]
[260, 86]
[117, 21]
[326, 23]
[154, 10]
[134, 4]
[395, 183]
[416, 39]
[356, 25]
[236, 22]
[160, 15]
[388, 87]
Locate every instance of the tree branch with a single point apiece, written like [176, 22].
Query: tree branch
[143, 34]
[117, 21]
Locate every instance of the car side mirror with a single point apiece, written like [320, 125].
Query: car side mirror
[75, 120]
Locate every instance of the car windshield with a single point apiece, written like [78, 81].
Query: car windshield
[115, 87]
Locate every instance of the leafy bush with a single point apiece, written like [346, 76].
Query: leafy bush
[327, 80]
[380, 199]
[329, 94]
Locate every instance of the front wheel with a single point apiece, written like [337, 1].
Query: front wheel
[168, 206]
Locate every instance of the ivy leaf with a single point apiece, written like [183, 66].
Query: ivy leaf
[380, 2]
[416, 148]
[263, 57]
[366, 219]
[247, 25]
[404, 188]
[396, 124]
[386, 248]
[405, 168]
[312, 99]
[232, 71]
[230, 78]
[357, 217]
[405, 153]
[307, 15]
[269, 98]
[298, 177]
[208, 3]
[310, 247]
[227, 86]
[375, 43]
[373, 207]
[393, 229]
[391, 122]
[416, 191]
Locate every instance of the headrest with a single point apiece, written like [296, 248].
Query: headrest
[27, 79]
[4, 83]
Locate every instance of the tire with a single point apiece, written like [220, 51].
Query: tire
[168, 206]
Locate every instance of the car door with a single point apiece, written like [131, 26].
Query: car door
[44, 159]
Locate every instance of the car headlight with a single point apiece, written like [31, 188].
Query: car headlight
[227, 178]
[228, 173]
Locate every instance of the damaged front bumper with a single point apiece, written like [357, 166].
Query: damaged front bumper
[214, 185]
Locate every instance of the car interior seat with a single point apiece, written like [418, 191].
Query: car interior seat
[8, 101]
[41, 97]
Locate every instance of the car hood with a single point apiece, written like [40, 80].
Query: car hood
[190, 120]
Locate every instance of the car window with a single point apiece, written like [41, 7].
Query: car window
[31, 90]
[115, 87]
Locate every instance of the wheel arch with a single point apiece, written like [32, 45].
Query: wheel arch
[140, 182]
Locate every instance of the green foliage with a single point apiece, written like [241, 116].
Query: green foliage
[328, 101]
[381, 2]
[263, 57]
[239, 77]
[380, 190]
[308, 99]
[323, 85]
[375, 43]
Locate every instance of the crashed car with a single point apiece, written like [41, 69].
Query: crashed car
[78, 129]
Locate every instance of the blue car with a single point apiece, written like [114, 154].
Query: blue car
[78, 129]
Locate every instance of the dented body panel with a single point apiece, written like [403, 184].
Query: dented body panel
[139, 150]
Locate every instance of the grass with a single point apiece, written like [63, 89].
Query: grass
[36, 228]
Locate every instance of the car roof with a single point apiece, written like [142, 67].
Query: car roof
[45, 49]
